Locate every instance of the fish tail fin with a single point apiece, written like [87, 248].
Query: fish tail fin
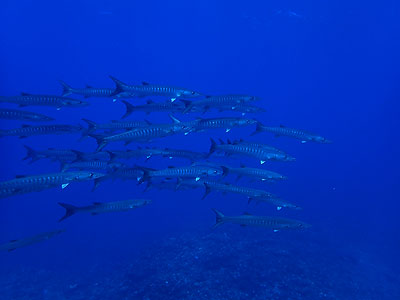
[100, 141]
[30, 153]
[188, 105]
[212, 147]
[259, 128]
[69, 210]
[225, 171]
[174, 119]
[129, 109]
[92, 126]
[64, 166]
[145, 176]
[219, 218]
[119, 86]
[67, 90]
[97, 182]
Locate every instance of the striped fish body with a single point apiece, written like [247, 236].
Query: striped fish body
[127, 173]
[191, 172]
[116, 125]
[268, 222]
[15, 114]
[192, 156]
[43, 100]
[255, 152]
[256, 173]
[243, 108]
[92, 165]
[12, 245]
[51, 153]
[216, 102]
[245, 191]
[159, 107]
[301, 135]
[258, 145]
[140, 134]
[226, 123]
[135, 153]
[117, 206]
[27, 130]
[101, 155]
[53, 179]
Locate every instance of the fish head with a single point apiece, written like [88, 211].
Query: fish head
[322, 140]
[42, 118]
[74, 102]
[188, 93]
[85, 175]
[287, 157]
[301, 225]
[245, 98]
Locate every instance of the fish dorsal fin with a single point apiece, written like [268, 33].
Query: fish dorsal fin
[242, 165]
[199, 119]
[282, 126]
[114, 121]
[89, 86]
[228, 141]
[147, 122]
[149, 101]
[145, 83]
[25, 94]
[20, 176]
[246, 214]
[171, 167]
[96, 203]
[13, 241]
[25, 125]
[208, 96]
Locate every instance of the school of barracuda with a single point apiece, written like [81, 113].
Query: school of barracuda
[202, 171]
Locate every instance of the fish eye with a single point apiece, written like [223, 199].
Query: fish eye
[193, 93]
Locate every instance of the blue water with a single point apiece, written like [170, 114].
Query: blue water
[330, 67]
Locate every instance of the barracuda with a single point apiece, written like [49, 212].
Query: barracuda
[255, 144]
[151, 106]
[262, 154]
[255, 173]
[147, 89]
[91, 165]
[114, 125]
[225, 123]
[28, 130]
[38, 182]
[196, 171]
[139, 135]
[14, 244]
[50, 153]
[42, 100]
[260, 221]
[103, 207]
[216, 102]
[90, 91]
[301, 135]
[15, 114]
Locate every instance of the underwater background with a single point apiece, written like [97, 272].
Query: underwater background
[330, 67]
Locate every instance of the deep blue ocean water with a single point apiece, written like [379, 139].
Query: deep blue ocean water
[330, 67]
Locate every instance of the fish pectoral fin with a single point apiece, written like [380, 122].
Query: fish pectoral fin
[64, 185]
[276, 230]
[278, 207]
[262, 162]
[197, 178]
[227, 130]
[173, 99]
[303, 142]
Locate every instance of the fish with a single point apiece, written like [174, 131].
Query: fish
[145, 134]
[216, 102]
[29, 130]
[247, 219]
[14, 244]
[51, 153]
[190, 155]
[196, 171]
[299, 134]
[114, 125]
[15, 114]
[26, 99]
[91, 165]
[249, 150]
[135, 153]
[124, 173]
[146, 89]
[256, 145]
[24, 184]
[151, 106]
[90, 91]
[253, 195]
[225, 123]
[103, 207]
[255, 173]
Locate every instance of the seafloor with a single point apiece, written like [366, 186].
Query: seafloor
[220, 265]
